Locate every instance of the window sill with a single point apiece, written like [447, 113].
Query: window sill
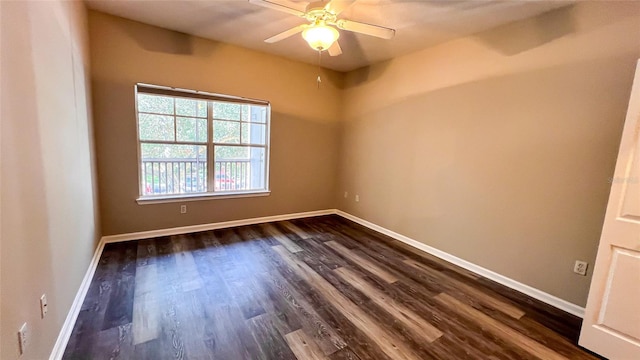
[144, 200]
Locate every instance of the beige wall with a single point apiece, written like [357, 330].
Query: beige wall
[498, 148]
[48, 228]
[304, 121]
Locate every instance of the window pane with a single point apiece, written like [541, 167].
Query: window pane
[201, 109]
[239, 168]
[258, 114]
[173, 169]
[202, 130]
[156, 127]
[226, 111]
[188, 107]
[188, 129]
[253, 133]
[246, 109]
[226, 132]
[155, 104]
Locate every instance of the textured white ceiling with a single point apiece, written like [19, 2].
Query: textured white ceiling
[418, 23]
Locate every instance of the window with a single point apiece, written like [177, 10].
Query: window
[194, 144]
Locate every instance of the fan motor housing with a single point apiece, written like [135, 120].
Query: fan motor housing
[316, 12]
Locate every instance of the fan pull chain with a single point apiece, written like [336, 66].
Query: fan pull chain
[319, 59]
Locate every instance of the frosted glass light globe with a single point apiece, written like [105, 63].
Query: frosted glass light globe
[320, 37]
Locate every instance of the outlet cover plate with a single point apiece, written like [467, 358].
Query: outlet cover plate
[43, 306]
[22, 338]
[580, 267]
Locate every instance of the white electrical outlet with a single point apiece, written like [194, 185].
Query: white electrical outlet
[346, 194]
[580, 267]
[357, 198]
[22, 338]
[183, 209]
[43, 306]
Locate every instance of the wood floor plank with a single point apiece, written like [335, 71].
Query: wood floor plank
[552, 339]
[191, 311]
[389, 324]
[246, 296]
[146, 279]
[171, 335]
[368, 236]
[324, 288]
[439, 283]
[303, 347]
[355, 339]
[323, 334]
[565, 324]
[207, 240]
[120, 308]
[146, 307]
[361, 261]
[284, 317]
[322, 254]
[91, 316]
[492, 301]
[315, 228]
[190, 278]
[147, 252]
[294, 228]
[248, 233]
[146, 319]
[389, 344]
[344, 354]
[546, 337]
[272, 345]
[412, 320]
[460, 340]
[225, 335]
[281, 238]
[499, 329]
[402, 272]
[113, 344]
[149, 350]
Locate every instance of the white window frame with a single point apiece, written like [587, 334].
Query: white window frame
[210, 145]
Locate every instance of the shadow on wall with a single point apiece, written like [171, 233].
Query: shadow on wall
[524, 159]
[349, 41]
[333, 77]
[514, 38]
[366, 74]
[510, 39]
[165, 41]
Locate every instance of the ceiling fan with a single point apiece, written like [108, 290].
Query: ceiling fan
[321, 33]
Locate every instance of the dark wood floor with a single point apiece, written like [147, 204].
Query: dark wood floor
[316, 288]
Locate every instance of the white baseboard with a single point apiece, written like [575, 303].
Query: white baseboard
[212, 226]
[67, 327]
[501, 279]
[72, 316]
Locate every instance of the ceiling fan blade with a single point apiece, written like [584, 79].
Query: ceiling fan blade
[335, 50]
[367, 29]
[337, 6]
[271, 4]
[285, 34]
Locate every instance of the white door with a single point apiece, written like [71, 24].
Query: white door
[611, 324]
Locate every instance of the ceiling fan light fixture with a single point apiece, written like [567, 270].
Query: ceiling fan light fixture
[320, 37]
